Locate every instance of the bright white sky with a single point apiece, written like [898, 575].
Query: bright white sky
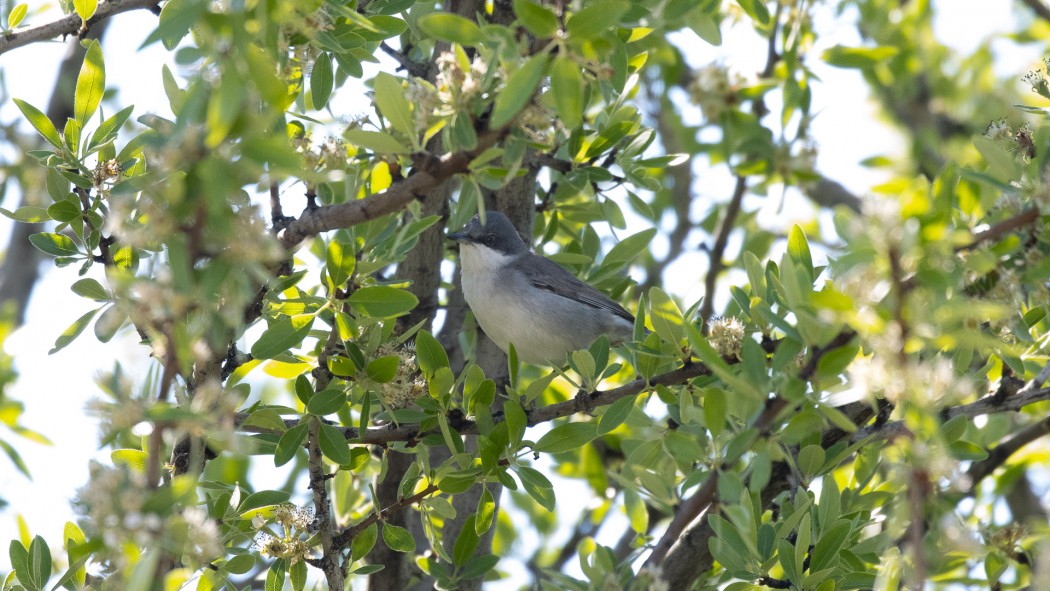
[55, 389]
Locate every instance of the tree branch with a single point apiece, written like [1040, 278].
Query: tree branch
[70, 24]
[985, 406]
[329, 562]
[428, 171]
[718, 251]
[1038, 8]
[1002, 228]
[347, 535]
[997, 457]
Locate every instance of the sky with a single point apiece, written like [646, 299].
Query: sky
[56, 389]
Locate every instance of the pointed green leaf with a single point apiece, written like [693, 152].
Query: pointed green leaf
[91, 289]
[538, 19]
[567, 437]
[290, 443]
[538, 486]
[567, 92]
[665, 316]
[326, 402]
[519, 90]
[485, 513]
[322, 79]
[615, 414]
[798, 249]
[364, 542]
[40, 561]
[85, 8]
[451, 27]
[283, 334]
[377, 141]
[595, 20]
[40, 122]
[382, 301]
[333, 444]
[71, 333]
[390, 98]
[17, 14]
[91, 83]
[397, 538]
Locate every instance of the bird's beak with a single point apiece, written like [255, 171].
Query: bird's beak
[457, 236]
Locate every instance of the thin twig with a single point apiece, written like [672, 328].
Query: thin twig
[717, 253]
[408, 65]
[347, 535]
[1002, 228]
[985, 406]
[999, 454]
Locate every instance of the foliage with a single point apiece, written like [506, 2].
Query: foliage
[847, 407]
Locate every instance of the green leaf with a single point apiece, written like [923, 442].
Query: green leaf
[705, 26]
[466, 542]
[282, 334]
[383, 369]
[858, 57]
[91, 82]
[666, 316]
[262, 498]
[757, 10]
[382, 301]
[377, 141]
[486, 512]
[364, 542]
[538, 19]
[340, 262]
[595, 20]
[567, 437]
[538, 487]
[333, 444]
[567, 92]
[136, 459]
[811, 460]
[326, 402]
[451, 27]
[626, 250]
[91, 289]
[224, 108]
[322, 79]
[64, 211]
[615, 415]
[297, 574]
[40, 122]
[28, 213]
[390, 98]
[17, 14]
[71, 333]
[398, 538]
[85, 8]
[290, 443]
[798, 250]
[20, 562]
[275, 576]
[40, 561]
[176, 19]
[518, 92]
[830, 544]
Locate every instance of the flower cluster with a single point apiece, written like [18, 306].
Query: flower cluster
[714, 89]
[291, 544]
[408, 384]
[727, 336]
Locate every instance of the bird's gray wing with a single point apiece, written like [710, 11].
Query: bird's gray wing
[547, 275]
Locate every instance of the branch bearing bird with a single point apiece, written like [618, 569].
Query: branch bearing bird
[526, 299]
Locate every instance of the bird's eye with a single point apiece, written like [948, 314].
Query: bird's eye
[489, 239]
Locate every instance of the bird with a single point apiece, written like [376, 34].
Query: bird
[519, 297]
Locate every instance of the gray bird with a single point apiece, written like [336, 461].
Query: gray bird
[523, 298]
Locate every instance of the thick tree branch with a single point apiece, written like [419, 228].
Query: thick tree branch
[70, 24]
[828, 193]
[428, 172]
